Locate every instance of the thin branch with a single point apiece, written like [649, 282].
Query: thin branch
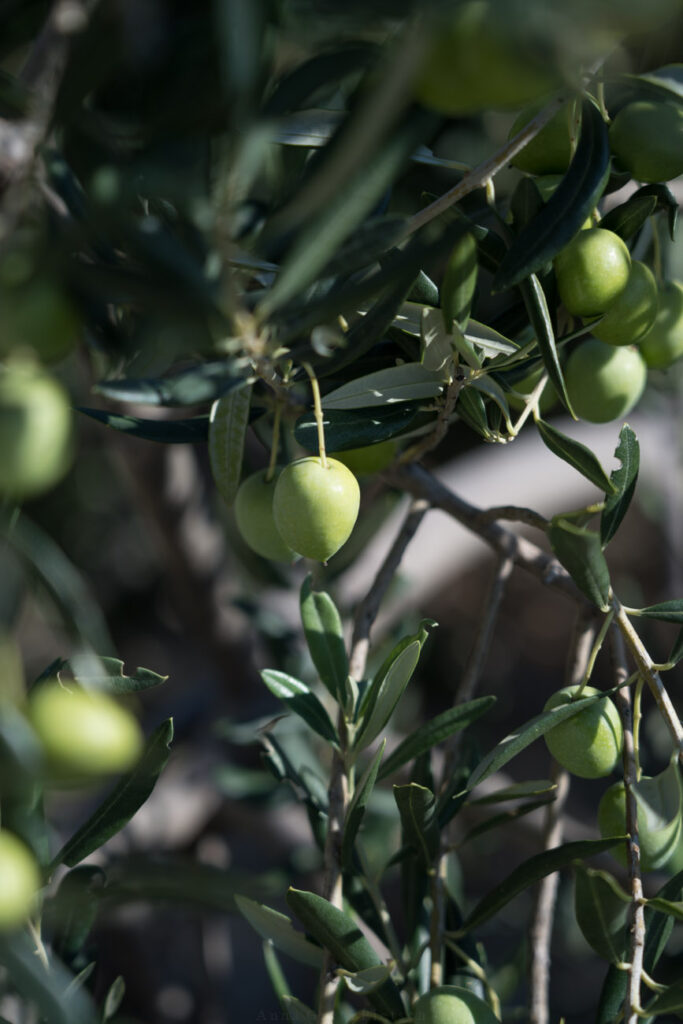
[367, 610]
[541, 927]
[480, 175]
[475, 663]
[419, 482]
[622, 700]
[647, 669]
[515, 514]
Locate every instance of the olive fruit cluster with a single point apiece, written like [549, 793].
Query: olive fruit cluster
[309, 508]
[589, 743]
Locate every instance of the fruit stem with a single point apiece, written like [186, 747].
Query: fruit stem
[637, 717]
[275, 443]
[595, 650]
[318, 412]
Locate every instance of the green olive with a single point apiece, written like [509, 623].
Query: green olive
[38, 315]
[589, 744]
[315, 506]
[451, 1004]
[526, 385]
[36, 432]
[476, 63]
[592, 271]
[254, 515]
[550, 151]
[647, 139]
[604, 382]
[19, 881]
[633, 311]
[658, 839]
[373, 458]
[663, 343]
[84, 733]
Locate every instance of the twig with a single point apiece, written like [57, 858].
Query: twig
[622, 699]
[478, 177]
[419, 482]
[477, 657]
[647, 669]
[368, 608]
[541, 928]
[515, 514]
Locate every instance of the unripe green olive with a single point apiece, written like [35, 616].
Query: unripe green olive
[38, 315]
[526, 385]
[550, 151]
[19, 881]
[589, 744]
[604, 382]
[373, 458]
[451, 1004]
[254, 515]
[647, 139]
[35, 430]
[663, 343]
[84, 733]
[315, 506]
[658, 840]
[476, 63]
[591, 271]
[633, 311]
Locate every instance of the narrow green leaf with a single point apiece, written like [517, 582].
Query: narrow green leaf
[677, 649]
[77, 605]
[566, 210]
[472, 410]
[123, 802]
[459, 283]
[297, 1011]
[71, 913]
[278, 929]
[489, 341]
[227, 430]
[52, 991]
[365, 981]
[437, 343]
[190, 431]
[666, 82]
[503, 818]
[114, 998]
[325, 637]
[627, 219]
[601, 910]
[204, 382]
[297, 697]
[386, 689]
[356, 811]
[115, 680]
[417, 808]
[517, 791]
[580, 552]
[533, 870]
[672, 908]
[434, 732]
[623, 484]
[668, 611]
[295, 87]
[526, 734]
[665, 200]
[576, 454]
[402, 383]
[356, 428]
[539, 316]
[277, 976]
[338, 933]
[669, 1001]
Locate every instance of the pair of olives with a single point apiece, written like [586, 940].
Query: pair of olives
[308, 508]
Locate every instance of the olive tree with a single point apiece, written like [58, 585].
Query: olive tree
[256, 230]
